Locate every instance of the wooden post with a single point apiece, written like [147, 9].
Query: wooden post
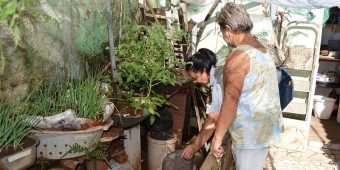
[198, 117]
[205, 22]
[111, 46]
[152, 11]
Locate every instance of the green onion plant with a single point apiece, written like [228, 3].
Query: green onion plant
[83, 97]
[15, 125]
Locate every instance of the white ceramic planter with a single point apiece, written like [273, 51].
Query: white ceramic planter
[54, 143]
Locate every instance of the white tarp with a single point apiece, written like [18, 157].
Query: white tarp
[303, 3]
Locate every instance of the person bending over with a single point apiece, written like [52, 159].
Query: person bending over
[204, 69]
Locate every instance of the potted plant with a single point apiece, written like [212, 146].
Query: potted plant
[145, 59]
[17, 148]
[81, 105]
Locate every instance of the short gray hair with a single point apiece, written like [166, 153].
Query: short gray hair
[236, 17]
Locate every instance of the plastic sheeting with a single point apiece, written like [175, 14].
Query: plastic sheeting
[303, 3]
[199, 2]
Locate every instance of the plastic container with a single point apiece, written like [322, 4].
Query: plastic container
[323, 106]
[158, 150]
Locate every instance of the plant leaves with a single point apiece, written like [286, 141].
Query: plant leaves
[16, 34]
[152, 119]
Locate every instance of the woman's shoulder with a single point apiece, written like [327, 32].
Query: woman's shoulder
[237, 59]
[242, 51]
[252, 44]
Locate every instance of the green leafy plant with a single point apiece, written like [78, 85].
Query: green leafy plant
[145, 59]
[91, 151]
[180, 35]
[148, 104]
[91, 34]
[15, 125]
[9, 11]
[83, 97]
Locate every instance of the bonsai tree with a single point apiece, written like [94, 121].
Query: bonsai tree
[145, 58]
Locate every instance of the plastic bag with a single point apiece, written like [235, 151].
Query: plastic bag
[64, 120]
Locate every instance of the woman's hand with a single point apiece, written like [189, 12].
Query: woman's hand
[216, 148]
[189, 151]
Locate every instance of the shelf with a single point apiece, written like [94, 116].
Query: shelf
[329, 59]
[328, 85]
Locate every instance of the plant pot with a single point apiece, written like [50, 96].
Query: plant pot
[20, 159]
[125, 116]
[55, 143]
[125, 121]
[158, 150]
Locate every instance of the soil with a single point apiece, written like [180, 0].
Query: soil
[89, 124]
[182, 76]
[123, 107]
[125, 116]
[27, 142]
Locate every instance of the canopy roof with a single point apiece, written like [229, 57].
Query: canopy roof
[303, 3]
[291, 3]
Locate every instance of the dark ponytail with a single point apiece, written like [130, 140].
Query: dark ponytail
[204, 59]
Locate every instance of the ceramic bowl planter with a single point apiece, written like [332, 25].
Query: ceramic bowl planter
[70, 115]
[20, 158]
[55, 143]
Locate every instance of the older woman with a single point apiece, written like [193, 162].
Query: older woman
[251, 105]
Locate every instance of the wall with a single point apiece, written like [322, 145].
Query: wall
[60, 40]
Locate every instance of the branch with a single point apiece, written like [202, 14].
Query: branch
[205, 22]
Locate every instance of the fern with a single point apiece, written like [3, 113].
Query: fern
[98, 154]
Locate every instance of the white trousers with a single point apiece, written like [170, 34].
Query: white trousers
[249, 159]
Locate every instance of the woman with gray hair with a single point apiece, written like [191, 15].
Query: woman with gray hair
[251, 105]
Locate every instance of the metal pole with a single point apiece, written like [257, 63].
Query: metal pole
[111, 46]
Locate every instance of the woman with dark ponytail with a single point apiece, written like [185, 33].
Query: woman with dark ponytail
[204, 69]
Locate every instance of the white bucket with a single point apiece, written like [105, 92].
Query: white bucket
[323, 106]
[158, 150]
